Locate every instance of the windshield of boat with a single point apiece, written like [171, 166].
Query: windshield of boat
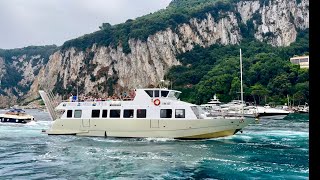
[174, 94]
[16, 112]
[157, 93]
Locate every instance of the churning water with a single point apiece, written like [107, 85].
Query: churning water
[269, 149]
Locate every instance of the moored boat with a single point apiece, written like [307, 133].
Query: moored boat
[153, 112]
[303, 108]
[16, 116]
[212, 105]
[233, 108]
[260, 112]
[267, 112]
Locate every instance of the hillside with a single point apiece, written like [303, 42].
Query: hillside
[268, 75]
[18, 69]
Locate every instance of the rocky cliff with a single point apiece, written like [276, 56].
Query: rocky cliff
[18, 69]
[102, 70]
[17, 75]
[278, 20]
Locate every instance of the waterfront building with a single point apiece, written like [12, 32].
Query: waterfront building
[303, 61]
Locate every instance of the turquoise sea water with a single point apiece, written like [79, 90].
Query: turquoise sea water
[269, 149]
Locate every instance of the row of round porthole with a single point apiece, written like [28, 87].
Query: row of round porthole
[4, 120]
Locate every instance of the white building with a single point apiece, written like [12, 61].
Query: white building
[303, 61]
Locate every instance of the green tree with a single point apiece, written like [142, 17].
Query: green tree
[259, 92]
[280, 85]
[235, 88]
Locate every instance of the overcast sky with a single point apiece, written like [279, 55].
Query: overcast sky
[45, 22]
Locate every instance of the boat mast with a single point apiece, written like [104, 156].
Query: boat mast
[241, 82]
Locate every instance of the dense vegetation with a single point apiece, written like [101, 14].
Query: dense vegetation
[177, 13]
[44, 51]
[268, 75]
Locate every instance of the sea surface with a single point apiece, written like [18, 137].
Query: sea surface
[268, 149]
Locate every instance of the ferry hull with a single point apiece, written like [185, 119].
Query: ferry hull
[11, 120]
[15, 120]
[177, 129]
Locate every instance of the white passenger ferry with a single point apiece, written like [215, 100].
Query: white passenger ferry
[153, 112]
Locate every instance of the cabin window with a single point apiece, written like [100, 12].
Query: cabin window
[196, 111]
[296, 61]
[180, 113]
[166, 113]
[104, 113]
[174, 94]
[128, 113]
[164, 93]
[77, 113]
[149, 92]
[141, 113]
[69, 114]
[177, 94]
[156, 93]
[115, 113]
[95, 113]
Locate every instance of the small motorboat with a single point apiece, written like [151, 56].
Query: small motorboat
[16, 116]
[303, 108]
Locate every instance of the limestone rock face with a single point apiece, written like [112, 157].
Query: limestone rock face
[100, 69]
[280, 19]
[26, 67]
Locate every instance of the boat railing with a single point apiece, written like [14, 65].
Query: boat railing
[99, 100]
[16, 113]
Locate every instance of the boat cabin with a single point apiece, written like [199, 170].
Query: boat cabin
[153, 103]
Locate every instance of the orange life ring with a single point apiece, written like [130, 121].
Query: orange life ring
[156, 102]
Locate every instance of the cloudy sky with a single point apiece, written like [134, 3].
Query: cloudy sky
[46, 22]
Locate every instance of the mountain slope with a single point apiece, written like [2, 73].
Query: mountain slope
[18, 69]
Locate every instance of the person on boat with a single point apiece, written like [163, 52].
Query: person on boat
[71, 98]
[132, 94]
[74, 98]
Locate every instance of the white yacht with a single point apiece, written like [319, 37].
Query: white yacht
[214, 100]
[237, 107]
[303, 108]
[213, 104]
[16, 116]
[267, 112]
[152, 112]
[261, 112]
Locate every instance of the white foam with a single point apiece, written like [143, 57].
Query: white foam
[159, 139]
[286, 133]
